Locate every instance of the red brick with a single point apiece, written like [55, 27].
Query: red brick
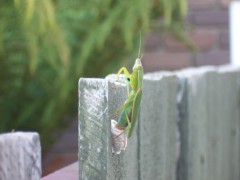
[153, 41]
[224, 40]
[159, 60]
[210, 17]
[213, 58]
[202, 4]
[203, 39]
[225, 3]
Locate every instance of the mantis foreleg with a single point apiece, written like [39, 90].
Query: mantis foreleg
[125, 71]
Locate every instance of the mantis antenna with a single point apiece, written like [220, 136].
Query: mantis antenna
[140, 45]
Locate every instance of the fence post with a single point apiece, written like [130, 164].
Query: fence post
[158, 127]
[20, 156]
[98, 101]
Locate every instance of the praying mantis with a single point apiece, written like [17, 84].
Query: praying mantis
[131, 106]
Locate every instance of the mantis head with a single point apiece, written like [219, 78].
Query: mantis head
[137, 65]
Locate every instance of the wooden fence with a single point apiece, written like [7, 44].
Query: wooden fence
[189, 127]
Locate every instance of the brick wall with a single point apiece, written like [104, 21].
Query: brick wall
[209, 30]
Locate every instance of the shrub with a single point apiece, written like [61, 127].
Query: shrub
[45, 46]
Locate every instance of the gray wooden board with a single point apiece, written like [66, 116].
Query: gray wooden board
[124, 165]
[212, 141]
[99, 100]
[93, 129]
[20, 156]
[158, 125]
[195, 115]
[230, 122]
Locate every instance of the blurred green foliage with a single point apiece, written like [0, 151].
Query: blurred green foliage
[46, 45]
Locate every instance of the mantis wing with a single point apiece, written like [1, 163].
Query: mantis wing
[135, 110]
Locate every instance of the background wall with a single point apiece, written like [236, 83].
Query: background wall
[209, 29]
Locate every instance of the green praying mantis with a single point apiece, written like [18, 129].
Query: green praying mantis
[131, 106]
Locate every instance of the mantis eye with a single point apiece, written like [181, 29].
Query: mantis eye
[128, 79]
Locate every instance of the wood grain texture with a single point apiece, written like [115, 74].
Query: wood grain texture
[99, 100]
[158, 127]
[210, 130]
[93, 129]
[20, 156]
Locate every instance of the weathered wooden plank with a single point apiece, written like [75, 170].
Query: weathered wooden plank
[158, 125]
[230, 122]
[196, 117]
[93, 129]
[99, 100]
[209, 148]
[20, 156]
[124, 165]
